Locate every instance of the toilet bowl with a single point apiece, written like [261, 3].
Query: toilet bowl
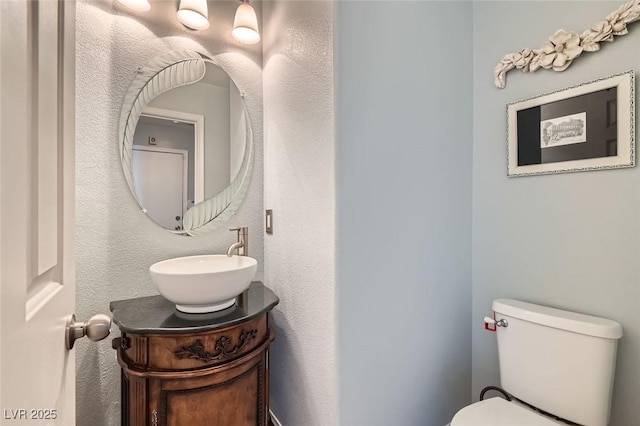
[500, 412]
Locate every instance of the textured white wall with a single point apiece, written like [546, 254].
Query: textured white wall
[300, 188]
[115, 243]
[569, 240]
[404, 161]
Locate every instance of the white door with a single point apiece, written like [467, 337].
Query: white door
[160, 182]
[37, 294]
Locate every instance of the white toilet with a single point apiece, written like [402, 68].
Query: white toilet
[557, 361]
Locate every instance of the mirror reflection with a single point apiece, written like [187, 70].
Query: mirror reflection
[188, 146]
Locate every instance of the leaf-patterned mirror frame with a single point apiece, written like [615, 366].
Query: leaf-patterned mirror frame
[166, 72]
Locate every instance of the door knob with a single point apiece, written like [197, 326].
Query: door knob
[96, 328]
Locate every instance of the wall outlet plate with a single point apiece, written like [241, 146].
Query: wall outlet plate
[268, 221]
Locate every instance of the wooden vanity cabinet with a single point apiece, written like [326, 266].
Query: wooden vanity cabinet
[215, 377]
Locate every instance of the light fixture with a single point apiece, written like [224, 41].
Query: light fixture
[245, 24]
[137, 5]
[194, 14]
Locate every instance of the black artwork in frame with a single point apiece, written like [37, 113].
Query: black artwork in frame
[599, 132]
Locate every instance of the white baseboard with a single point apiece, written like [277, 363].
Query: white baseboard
[274, 419]
[276, 422]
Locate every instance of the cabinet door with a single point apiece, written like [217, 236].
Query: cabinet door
[233, 397]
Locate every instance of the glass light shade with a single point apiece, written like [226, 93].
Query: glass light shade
[137, 5]
[245, 25]
[194, 14]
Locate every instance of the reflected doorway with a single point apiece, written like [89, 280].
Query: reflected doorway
[160, 181]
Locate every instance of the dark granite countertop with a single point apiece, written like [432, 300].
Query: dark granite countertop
[156, 315]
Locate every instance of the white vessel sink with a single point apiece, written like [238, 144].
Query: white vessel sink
[200, 284]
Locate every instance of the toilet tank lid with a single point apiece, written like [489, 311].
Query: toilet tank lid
[558, 318]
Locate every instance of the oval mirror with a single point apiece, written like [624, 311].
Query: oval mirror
[186, 143]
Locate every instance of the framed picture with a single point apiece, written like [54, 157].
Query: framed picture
[585, 127]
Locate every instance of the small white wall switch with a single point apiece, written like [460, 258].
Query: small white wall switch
[268, 221]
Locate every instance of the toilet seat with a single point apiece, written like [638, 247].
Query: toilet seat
[499, 412]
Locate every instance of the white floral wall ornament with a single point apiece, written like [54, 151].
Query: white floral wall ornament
[563, 47]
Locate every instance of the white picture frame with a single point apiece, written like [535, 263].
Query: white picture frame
[599, 114]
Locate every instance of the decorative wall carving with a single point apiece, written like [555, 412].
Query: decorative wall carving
[222, 348]
[563, 47]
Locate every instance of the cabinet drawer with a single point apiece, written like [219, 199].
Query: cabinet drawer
[191, 352]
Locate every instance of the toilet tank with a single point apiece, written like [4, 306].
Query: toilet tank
[558, 361]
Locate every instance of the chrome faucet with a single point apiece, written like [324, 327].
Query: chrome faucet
[242, 243]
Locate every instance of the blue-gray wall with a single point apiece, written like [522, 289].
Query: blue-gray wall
[403, 155]
[569, 240]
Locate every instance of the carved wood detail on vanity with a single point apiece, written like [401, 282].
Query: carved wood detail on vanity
[134, 348]
[162, 350]
[125, 343]
[222, 348]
